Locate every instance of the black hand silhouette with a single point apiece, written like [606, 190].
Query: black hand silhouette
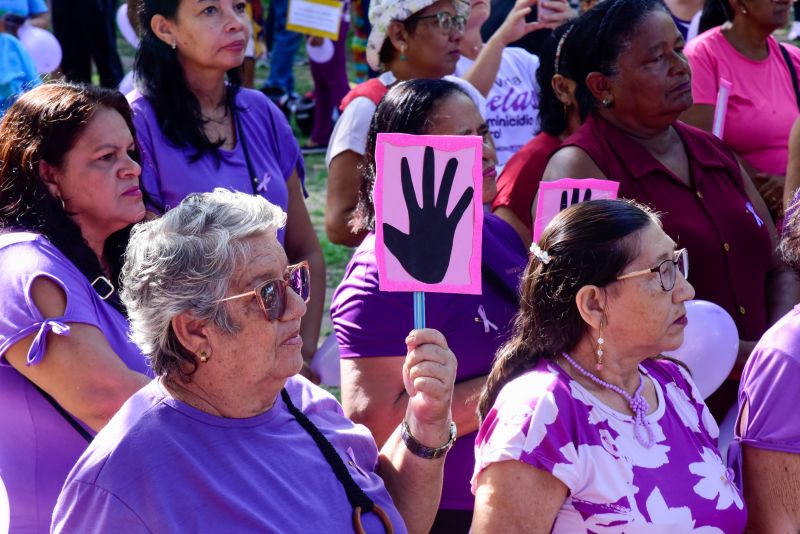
[576, 197]
[425, 251]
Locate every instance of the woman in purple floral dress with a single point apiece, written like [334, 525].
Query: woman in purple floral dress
[584, 427]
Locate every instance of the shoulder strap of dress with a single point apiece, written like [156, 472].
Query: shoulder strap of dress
[372, 89]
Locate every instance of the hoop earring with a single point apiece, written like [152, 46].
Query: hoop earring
[599, 352]
[203, 357]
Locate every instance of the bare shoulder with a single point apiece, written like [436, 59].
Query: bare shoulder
[571, 162]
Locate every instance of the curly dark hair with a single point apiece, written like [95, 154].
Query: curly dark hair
[159, 77]
[44, 125]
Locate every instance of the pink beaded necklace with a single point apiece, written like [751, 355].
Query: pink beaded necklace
[639, 405]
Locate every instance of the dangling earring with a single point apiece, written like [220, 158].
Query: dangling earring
[174, 45]
[599, 352]
[203, 357]
[403, 53]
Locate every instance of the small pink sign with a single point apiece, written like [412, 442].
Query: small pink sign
[428, 212]
[556, 196]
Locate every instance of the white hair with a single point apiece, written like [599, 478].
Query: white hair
[184, 262]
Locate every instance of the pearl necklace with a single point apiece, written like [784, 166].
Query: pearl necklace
[638, 404]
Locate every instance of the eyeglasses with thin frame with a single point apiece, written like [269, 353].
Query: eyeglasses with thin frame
[667, 270]
[447, 22]
[271, 295]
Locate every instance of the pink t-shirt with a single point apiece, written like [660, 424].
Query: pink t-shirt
[762, 106]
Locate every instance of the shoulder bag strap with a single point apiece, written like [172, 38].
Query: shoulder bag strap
[792, 73]
[240, 133]
[359, 500]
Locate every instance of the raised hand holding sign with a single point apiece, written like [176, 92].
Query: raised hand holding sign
[430, 243]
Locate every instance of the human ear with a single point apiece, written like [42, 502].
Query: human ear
[162, 28]
[397, 35]
[564, 88]
[591, 303]
[49, 176]
[600, 87]
[192, 333]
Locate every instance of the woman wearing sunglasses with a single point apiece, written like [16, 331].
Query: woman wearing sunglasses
[584, 427]
[409, 39]
[229, 438]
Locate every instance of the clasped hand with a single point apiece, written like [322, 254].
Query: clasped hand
[429, 375]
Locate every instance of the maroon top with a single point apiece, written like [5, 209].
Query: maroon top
[519, 181]
[729, 245]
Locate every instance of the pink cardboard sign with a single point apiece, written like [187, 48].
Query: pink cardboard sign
[428, 213]
[556, 196]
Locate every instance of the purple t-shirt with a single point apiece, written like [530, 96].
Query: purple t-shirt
[549, 421]
[37, 446]
[161, 465]
[168, 176]
[769, 387]
[370, 323]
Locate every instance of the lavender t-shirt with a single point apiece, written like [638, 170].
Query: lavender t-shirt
[769, 387]
[370, 323]
[37, 446]
[547, 420]
[162, 466]
[169, 176]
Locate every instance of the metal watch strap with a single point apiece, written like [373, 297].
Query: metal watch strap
[421, 450]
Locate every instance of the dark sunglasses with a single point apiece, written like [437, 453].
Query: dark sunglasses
[271, 294]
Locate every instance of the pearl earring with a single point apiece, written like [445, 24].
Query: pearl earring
[599, 352]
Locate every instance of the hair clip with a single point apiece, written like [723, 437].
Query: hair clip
[540, 254]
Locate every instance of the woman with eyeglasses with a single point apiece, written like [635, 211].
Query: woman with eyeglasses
[409, 39]
[584, 427]
[229, 438]
[69, 194]
[198, 128]
[626, 57]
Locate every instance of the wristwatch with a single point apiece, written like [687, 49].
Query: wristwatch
[421, 450]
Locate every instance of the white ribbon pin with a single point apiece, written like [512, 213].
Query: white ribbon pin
[487, 324]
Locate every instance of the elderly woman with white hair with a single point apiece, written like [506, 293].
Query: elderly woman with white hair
[229, 436]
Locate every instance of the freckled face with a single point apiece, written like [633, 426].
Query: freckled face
[642, 317]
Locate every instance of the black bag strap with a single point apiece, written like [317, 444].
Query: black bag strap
[792, 73]
[355, 494]
[240, 133]
[67, 417]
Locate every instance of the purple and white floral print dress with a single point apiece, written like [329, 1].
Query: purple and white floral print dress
[546, 419]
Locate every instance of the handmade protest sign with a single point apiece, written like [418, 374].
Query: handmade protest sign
[428, 213]
[315, 17]
[556, 196]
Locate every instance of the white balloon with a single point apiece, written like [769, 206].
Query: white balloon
[326, 362]
[125, 28]
[42, 46]
[322, 53]
[710, 345]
